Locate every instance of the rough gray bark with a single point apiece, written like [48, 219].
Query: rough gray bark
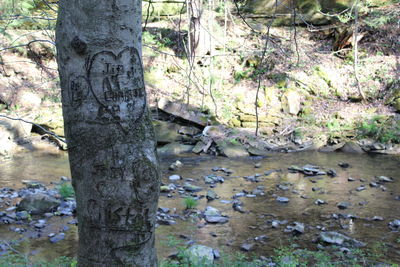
[111, 143]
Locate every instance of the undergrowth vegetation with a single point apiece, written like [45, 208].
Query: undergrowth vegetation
[381, 128]
[190, 202]
[66, 190]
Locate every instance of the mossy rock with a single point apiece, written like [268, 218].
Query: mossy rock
[166, 132]
[235, 122]
[231, 150]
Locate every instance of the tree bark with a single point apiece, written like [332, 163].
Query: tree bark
[110, 137]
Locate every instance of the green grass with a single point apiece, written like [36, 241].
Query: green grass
[189, 203]
[381, 128]
[66, 190]
[20, 260]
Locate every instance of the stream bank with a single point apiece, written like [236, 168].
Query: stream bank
[252, 204]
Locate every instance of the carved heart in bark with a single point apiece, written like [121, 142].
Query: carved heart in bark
[117, 83]
[106, 189]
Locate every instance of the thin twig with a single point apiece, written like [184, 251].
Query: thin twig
[27, 44]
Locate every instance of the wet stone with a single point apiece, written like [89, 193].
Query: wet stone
[40, 224]
[217, 255]
[163, 209]
[283, 187]
[296, 228]
[192, 188]
[22, 215]
[343, 205]
[57, 238]
[38, 203]
[240, 194]
[176, 165]
[344, 165]
[165, 188]
[247, 247]
[377, 218]
[251, 178]
[277, 223]
[211, 195]
[373, 184]
[360, 188]
[282, 199]
[258, 192]
[394, 225]
[237, 206]
[212, 179]
[174, 177]
[73, 221]
[261, 238]
[336, 238]
[385, 179]
[213, 215]
[320, 202]
[65, 179]
[332, 173]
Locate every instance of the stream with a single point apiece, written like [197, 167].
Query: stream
[260, 208]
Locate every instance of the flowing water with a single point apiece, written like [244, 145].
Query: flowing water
[260, 210]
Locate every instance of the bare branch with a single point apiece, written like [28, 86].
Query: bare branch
[27, 44]
[37, 125]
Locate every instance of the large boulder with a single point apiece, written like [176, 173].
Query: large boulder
[231, 150]
[212, 215]
[339, 239]
[38, 203]
[182, 111]
[352, 147]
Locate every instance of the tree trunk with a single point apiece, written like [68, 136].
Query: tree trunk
[110, 138]
[199, 37]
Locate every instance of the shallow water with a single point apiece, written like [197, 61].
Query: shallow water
[243, 227]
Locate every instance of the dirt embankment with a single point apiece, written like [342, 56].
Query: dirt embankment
[301, 95]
